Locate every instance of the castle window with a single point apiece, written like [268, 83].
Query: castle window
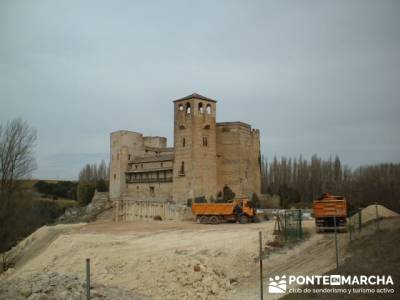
[182, 170]
[162, 164]
[152, 191]
[180, 107]
[205, 141]
[141, 165]
[129, 157]
[208, 109]
[201, 109]
[115, 176]
[188, 108]
[136, 166]
[183, 142]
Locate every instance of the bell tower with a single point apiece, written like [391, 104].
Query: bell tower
[195, 162]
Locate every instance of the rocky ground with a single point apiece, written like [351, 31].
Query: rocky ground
[159, 260]
[56, 286]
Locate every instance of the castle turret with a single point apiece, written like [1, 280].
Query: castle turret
[125, 145]
[195, 162]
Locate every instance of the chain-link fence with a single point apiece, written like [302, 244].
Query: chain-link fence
[288, 225]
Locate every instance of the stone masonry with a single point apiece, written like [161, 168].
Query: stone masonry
[207, 158]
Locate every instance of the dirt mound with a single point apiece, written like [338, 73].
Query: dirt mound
[193, 261]
[373, 212]
[37, 242]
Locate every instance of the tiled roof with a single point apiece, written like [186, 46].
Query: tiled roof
[196, 96]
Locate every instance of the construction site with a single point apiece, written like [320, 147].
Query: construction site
[190, 222]
[169, 258]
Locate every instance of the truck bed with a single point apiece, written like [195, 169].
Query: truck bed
[330, 208]
[217, 209]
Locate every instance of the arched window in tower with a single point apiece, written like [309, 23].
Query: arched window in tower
[208, 109]
[180, 108]
[188, 108]
[201, 109]
[183, 142]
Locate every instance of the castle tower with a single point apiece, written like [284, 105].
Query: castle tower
[125, 145]
[195, 161]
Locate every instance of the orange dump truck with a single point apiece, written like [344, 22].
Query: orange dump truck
[326, 208]
[215, 213]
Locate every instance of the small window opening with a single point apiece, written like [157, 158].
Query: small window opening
[180, 107]
[162, 164]
[201, 109]
[188, 108]
[182, 170]
[136, 166]
[115, 176]
[205, 141]
[152, 191]
[141, 165]
[129, 157]
[208, 109]
[183, 142]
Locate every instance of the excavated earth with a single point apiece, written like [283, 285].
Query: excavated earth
[157, 260]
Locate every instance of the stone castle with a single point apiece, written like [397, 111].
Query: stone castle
[208, 158]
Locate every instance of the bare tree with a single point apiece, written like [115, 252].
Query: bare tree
[17, 141]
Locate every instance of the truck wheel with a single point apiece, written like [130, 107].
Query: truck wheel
[213, 220]
[203, 220]
[244, 220]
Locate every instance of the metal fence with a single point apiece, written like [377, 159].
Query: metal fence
[288, 225]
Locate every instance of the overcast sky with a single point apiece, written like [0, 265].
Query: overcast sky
[314, 76]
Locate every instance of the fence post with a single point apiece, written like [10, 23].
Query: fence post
[285, 226]
[261, 267]
[87, 278]
[300, 224]
[350, 227]
[377, 216]
[336, 244]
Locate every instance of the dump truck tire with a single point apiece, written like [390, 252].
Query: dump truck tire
[214, 220]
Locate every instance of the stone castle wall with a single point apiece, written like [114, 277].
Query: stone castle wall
[206, 157]
[238, 152]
